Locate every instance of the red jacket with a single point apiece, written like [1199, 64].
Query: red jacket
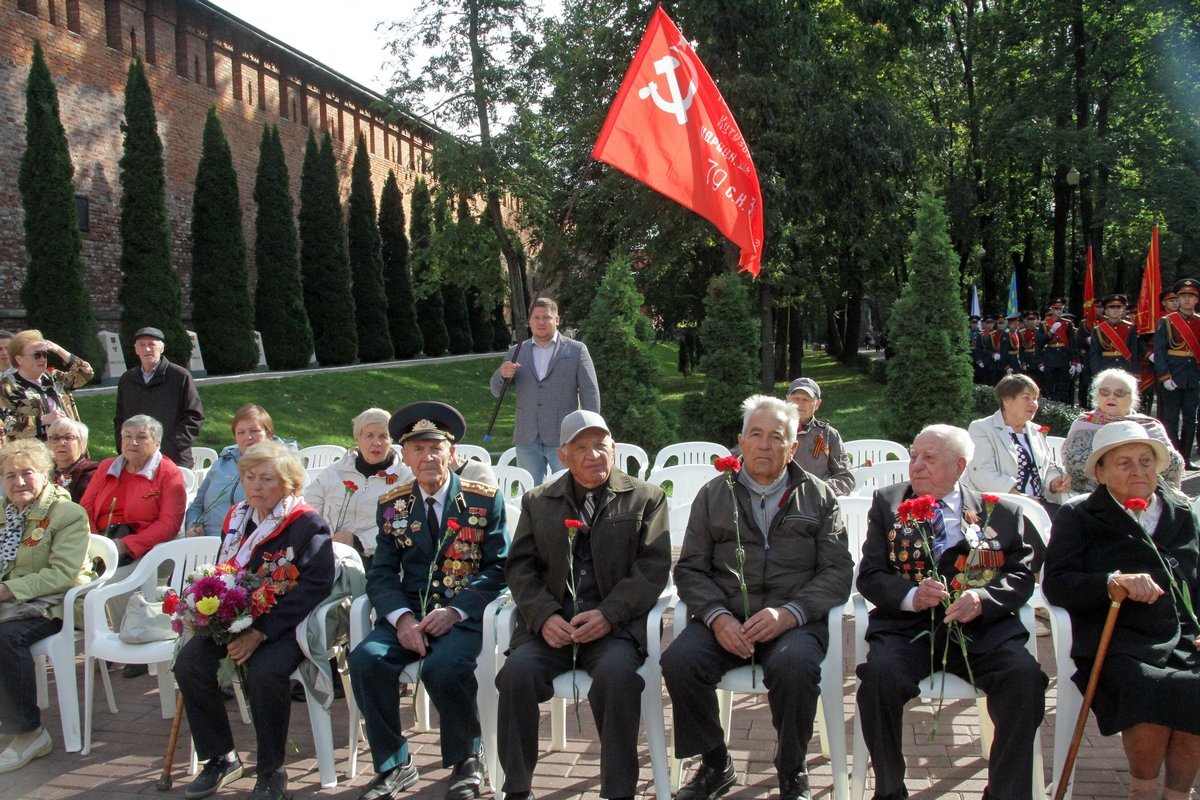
[153, 507]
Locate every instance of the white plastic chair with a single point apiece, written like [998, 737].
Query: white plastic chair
[474, 452]
[632, 459]
[860, 451]
[321, 455]
[678, 523]
[311, 474]
[500, 622]
[59, 649]
[684, 481]
[512, 514]
[513, 481]
[1069, 700]
[854, 516]
[508, 458]
[882, 473]
[1196, 505]
[101, 641]
[189, 480]
[200, 475]
[689, 453]
[740, 679]
[203, 457]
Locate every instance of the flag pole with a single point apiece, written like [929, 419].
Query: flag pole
[503, 391]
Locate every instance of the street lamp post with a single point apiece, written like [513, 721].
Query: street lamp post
[1073, 182]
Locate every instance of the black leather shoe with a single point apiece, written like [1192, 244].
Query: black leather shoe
[270, 787]
[520, 796]
[135, 670]
[388, 785]
[216, 773]
[794, 787]
[708, 783]
[466, 780]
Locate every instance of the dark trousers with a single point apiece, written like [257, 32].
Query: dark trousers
[1175, 406]
[19, 711]
[449, 677]
[527, 679]
[1016, 701]
[789, 667]
[1057, 384]
[268, 693]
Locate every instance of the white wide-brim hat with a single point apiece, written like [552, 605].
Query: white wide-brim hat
[1115, 434]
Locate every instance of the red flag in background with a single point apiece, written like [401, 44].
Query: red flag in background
[1149, 310]
[1089, 294]
[670, 129]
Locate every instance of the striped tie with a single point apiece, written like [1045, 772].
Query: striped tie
[939, 531]
[589, 508]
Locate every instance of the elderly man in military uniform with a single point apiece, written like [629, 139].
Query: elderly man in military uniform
[818, 444]
[582, 598]
[438, 563]
[1114, 339]
[795, 569]
[1177, 368]
[907, 572]
[1056, 356]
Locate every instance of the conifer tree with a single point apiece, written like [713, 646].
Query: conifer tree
[730, 336]
[425, 276]
[627, 373]
[481, 323]
[930, 374]
[279, 313]
[324, 262]
[454, 247]
[149, 293]
[366, 263]
[397, 281]
[54, 293]
[501, 334]
[221, 307]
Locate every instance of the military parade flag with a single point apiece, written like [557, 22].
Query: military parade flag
[1089, 293]
[974, 301]
[1014, 309]
[669, 128]
[1149, 311]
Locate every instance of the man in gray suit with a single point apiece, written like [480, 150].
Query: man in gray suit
[556, 378]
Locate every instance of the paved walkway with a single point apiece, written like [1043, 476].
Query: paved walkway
[126, 757]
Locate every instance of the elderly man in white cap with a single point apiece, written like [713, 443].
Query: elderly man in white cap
[582, 597]
[818, 444]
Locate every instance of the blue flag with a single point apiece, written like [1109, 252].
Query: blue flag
[974, 302]
[1012, 297]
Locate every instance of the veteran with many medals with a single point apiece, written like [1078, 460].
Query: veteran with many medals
[439, 560]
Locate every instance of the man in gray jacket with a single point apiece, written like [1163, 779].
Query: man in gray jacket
[796, 568]
[819, 447]
[553, 376]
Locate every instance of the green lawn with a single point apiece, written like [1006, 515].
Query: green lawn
[317, 409]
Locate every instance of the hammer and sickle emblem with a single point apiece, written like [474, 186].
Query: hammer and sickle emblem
[678, 104]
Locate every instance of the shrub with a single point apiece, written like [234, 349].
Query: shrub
[730, 338]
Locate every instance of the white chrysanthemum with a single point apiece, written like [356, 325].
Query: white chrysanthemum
[240, 624]
[229, 580]
[161, 592]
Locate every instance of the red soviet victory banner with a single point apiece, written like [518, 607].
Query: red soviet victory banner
[1089, 294]
[1149, 310]
[669, 128]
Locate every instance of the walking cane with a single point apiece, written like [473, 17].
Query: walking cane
[1118, 594]
[500, 400]
[164, 780]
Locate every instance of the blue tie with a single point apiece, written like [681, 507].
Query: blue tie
[939, 531]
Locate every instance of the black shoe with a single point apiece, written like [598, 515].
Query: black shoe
[270, 787]
[708, 783]
[135, 670]
[520, 796]
[466, 780]
[217, 772]
[388, 785]
[794, 787]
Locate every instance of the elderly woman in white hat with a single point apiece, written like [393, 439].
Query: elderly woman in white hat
[1142, 535]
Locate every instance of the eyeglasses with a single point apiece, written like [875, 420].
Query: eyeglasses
[40, 355]
[1113, 392]
[68, 437]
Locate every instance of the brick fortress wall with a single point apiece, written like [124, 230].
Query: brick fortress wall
[196, 56]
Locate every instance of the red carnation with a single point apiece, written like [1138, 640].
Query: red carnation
[991, 498]
[453, 524]
[170, 603]
[917, 509]
[574, 524]
[351, 486]
[728, 464]
[869, 463]
[1044, 429]
[1136, 504]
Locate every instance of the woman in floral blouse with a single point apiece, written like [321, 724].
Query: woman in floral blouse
[34, 396]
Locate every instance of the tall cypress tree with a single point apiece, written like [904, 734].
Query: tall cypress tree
[501, 333]
[221, 308]
[366, 263]
[397, 281]
[454, 240]
[279, 296]
[730, 337]
[481, 323]
[324, 263]
[149, 292]
[425, 278]
[928, 329]
[55, 292]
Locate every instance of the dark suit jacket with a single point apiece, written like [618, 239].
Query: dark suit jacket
[631, 553]
[468, 569]
[882, 580]
[1093, 537]
[569, 384]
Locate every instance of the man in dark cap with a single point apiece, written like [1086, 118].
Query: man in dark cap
[987, 353]
[819, 445]
[1058, 363]
[1115, 341]
[974, 333]
[164, 391]
[438, 563]
[1177, 368]
[584, 599]
[1031, 363]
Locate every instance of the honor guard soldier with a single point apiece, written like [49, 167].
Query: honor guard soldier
[439, 561]
[1083, 351]
[987, 353]
[1058, 363]
[1010, 345]
[1031, 362]
[974, 334]
[1115, 340]
[1177, 367]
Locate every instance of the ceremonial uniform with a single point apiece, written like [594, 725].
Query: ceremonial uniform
[989, 356]
[1083, 347]
[1030, 357]
[1010, 353]
[1056, 355]
[1115, 344]
[1177, 368]
[973, 337]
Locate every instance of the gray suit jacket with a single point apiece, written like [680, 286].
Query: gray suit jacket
[569, 384]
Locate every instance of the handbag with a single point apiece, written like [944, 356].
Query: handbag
[145, 622]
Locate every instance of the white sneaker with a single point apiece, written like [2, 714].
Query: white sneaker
[14, 757]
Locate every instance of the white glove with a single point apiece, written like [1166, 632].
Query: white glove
[1041, 367]
[1074, 370]
[1170, 385]
[979, 364]
[995, 356]
[1054, 328]
[1150, 356]
[1008, 371]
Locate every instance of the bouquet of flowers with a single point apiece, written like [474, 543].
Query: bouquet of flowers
[728, 466]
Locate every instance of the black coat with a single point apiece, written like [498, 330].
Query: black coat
[170, 397]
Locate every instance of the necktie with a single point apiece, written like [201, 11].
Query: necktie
[431, 519]
[589, 508]
[939, 531]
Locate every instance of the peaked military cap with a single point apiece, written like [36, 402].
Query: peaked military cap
[427, 420]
